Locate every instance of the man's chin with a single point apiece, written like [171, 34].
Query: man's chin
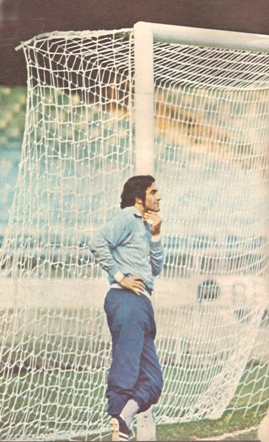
[154, 209]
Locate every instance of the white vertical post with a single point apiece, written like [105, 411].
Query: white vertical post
[144, 152]
[146, 426]
[144, 99]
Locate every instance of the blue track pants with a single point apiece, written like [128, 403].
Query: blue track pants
[135, 371]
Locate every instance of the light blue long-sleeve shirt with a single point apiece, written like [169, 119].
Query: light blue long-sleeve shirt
[125, 245]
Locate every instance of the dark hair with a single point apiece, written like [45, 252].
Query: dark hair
[135, 187]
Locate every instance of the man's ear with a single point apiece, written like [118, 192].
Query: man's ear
[138, 200]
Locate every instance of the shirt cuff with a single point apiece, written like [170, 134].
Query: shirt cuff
[155, 238]
[118, 276]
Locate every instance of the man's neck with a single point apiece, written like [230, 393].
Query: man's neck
[140, 207]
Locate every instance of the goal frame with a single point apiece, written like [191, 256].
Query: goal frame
[145, 34]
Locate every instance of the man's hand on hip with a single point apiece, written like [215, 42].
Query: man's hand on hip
[134, 283]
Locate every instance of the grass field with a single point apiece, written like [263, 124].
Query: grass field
[64, 401]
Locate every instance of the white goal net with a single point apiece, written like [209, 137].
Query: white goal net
[209, 155]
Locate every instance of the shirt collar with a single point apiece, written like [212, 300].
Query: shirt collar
[135, 211]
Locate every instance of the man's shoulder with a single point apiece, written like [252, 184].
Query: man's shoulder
[124, 217]
[121, 216]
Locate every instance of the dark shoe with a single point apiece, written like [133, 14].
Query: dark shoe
[119, 429]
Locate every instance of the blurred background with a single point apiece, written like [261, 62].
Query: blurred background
[20, 20]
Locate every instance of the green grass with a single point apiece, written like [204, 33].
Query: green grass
[66, 398]
[242, 416]
[210, 428]
[78, 398]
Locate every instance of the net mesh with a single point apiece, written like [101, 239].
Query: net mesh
[211, 166]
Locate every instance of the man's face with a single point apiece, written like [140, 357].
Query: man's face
[152, 199]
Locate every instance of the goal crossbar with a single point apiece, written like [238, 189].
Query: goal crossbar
[204, 37]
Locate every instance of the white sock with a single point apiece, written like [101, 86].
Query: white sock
[129, 411]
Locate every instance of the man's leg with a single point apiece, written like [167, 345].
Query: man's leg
[149, 385]
[147, 389]
[135, 378]
[127, 320]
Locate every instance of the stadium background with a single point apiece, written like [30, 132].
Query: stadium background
[20, 20]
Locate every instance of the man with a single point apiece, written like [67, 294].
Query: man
[129, 248]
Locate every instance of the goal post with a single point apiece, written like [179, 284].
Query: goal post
[191, 107]
[144, 99]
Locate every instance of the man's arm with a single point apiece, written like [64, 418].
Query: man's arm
[105, 239]
[156, 255]
[109, 236]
